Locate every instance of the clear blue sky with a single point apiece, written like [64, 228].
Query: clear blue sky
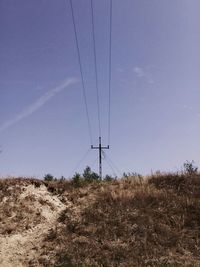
[155, 112]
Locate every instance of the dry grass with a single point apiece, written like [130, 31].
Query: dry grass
[127, 222]
[132, 223]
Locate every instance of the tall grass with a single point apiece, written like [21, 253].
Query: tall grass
[132, 221]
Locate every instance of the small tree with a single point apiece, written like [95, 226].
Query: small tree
[77, 179]
[108, 178]
[48, 177]
[189, 168]
[62, 179]
[89, 175]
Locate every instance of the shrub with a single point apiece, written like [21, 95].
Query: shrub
[48, 177]
[89, 175]
[108, 178]
[62, 179]
[77, 180]
[189, 168]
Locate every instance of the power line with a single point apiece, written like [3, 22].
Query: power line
[100, 147]
[81, 72]
[111, 167]
[94, 162]
[112, 163]
[80, 162]
[95, 64]
[110, 77]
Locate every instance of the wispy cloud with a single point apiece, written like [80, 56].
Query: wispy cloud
[139, 72]
[142, 73]
[37, 104]
[188, 107]
[191, 109]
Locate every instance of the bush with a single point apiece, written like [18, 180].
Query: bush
[62, 179]
[189, 168]
[89, 175]
[48, 177]
[77, 180]
[108, 178]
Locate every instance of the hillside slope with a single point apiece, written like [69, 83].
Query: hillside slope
[128, 222]
[28, 212]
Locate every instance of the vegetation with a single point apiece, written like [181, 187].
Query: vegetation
[133, 221]
[48, 177]
[189, 168]
[88, 176]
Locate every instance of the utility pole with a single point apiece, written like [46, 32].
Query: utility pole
[100, 147]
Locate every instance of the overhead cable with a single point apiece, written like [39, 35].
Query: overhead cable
[80, 162]
[95, 65]
[110, 73]
[81, 72]
[113, 164]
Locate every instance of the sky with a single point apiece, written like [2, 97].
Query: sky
[155, 86]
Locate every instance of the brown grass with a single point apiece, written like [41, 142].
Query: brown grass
[127, 222]
[130, 222]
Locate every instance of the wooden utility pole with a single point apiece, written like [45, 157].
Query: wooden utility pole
[100, 147]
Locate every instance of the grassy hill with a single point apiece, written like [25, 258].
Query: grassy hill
[132, 221]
